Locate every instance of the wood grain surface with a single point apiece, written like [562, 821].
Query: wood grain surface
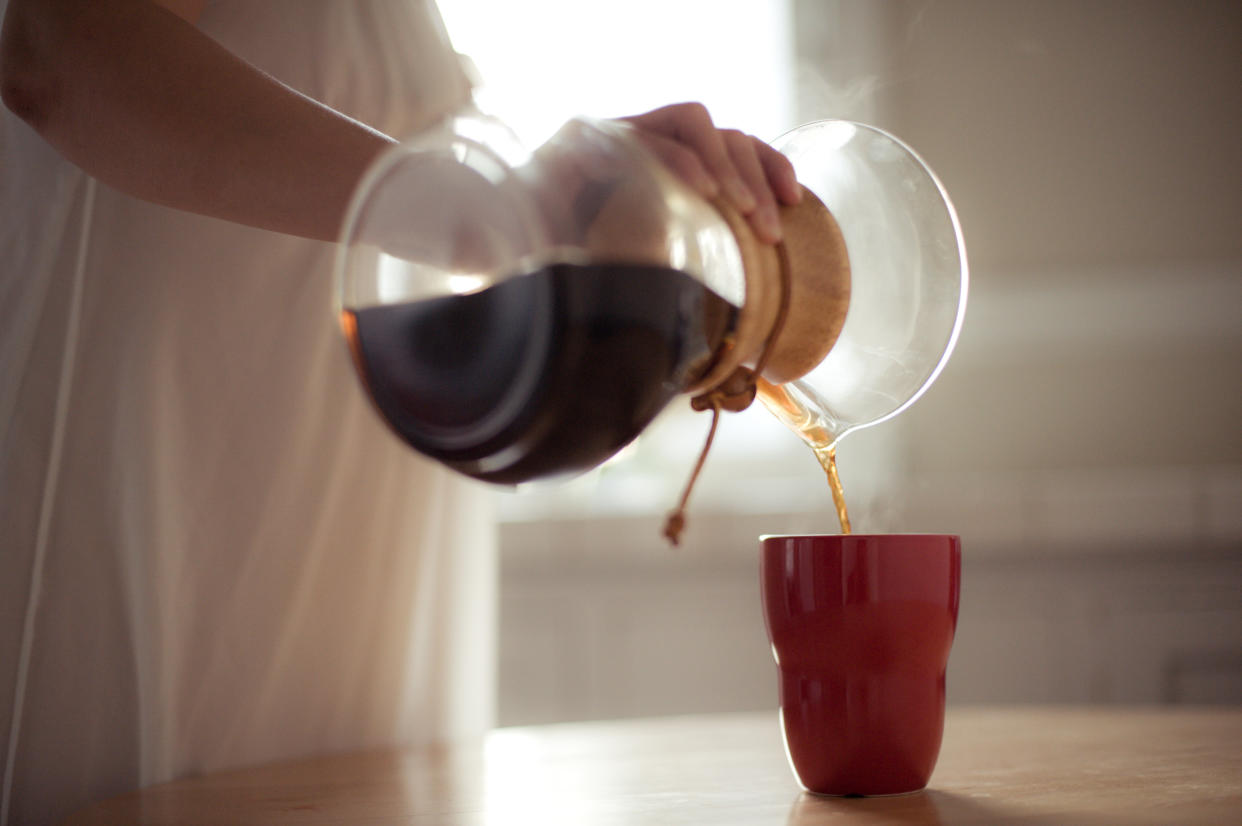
[1033, 765]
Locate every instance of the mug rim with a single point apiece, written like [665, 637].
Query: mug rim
[903, 534]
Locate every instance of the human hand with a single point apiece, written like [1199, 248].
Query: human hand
[752, 176]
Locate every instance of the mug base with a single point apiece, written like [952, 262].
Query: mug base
[843, 795]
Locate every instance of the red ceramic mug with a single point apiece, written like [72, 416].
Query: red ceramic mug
[861, 627]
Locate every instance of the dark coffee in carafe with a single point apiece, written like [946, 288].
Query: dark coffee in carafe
[543, 374]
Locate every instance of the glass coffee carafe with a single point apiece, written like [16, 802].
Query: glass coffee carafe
[520, 314]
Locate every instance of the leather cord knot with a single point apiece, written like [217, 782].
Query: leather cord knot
[734, 394]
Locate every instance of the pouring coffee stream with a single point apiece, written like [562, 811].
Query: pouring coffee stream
[822, 443]
[520, 315]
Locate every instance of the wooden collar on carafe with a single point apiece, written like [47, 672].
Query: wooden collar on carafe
[797, 295]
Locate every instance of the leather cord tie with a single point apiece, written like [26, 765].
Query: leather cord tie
[735, 394]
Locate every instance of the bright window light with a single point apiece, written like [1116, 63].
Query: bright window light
[543, 61]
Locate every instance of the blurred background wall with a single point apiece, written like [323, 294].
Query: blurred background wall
[1086, 438]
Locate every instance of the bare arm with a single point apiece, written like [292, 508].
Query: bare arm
[134, 94]
[142, 100]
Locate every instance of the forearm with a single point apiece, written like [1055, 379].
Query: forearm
[148, 104]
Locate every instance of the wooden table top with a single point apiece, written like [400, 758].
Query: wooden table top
[1029, 765]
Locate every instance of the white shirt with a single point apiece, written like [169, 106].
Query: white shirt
[212, 551]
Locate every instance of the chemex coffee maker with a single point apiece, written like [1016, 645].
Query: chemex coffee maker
[519, 314]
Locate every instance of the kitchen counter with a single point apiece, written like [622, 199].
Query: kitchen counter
[1027, 765]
